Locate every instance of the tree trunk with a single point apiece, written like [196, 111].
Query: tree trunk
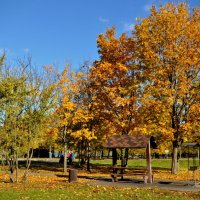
[79, 154]
[28, 163]
[65, 149]
[174, 167]
[12, 180]
[88, 156]
[95, 154]
[65, 158]
[50, 152]
[2, 160]
[12, 169]
[17, 167]
[149, 169]
[102, 154]
[82, 153]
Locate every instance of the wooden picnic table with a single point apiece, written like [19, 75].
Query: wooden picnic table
[195, 169]
[118, 171]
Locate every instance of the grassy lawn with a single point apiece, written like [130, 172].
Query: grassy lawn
[79, 191]
[57, 187]
[156, 163]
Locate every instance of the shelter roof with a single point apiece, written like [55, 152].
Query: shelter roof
[190, 144]
[127, 141]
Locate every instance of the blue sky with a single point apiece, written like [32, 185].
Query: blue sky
[63, 32]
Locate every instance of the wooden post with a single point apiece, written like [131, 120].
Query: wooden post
[198, 155]
[149, 169]
[114, 157]
[122, 158]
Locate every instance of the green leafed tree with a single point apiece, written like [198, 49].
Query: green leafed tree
[25, 101]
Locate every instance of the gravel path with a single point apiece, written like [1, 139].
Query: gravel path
[162, 184]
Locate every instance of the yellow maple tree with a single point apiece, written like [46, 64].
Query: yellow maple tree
[73, 114]
[168, 51]
[115, 83]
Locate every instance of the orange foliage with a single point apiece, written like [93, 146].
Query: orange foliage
[168, 50]
[115, 83]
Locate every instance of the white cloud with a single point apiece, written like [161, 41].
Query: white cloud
[103, 20]
[128, 26]
[26, 50]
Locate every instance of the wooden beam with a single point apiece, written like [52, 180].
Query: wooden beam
[149, 169]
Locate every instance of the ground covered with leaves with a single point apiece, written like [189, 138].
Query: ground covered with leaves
[39, 187]
[47, 181]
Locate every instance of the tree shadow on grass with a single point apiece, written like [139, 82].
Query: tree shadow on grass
[54, 166]
[42, 165]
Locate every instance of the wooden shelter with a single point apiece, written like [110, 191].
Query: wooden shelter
[193, 151]
[134, 141]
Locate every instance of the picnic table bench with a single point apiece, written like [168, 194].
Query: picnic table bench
[195, 169]
[121, 171]
[117, 171]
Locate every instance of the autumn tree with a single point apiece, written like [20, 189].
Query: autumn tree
[40, 104]
[13, 92]
[73, 114]
[115, 81]
[25, 103]
[85, 120]
[168, 52]
[66, 108]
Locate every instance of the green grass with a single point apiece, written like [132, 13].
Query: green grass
[156, 163]
[81, 192]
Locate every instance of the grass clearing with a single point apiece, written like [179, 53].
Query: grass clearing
[156, 163]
